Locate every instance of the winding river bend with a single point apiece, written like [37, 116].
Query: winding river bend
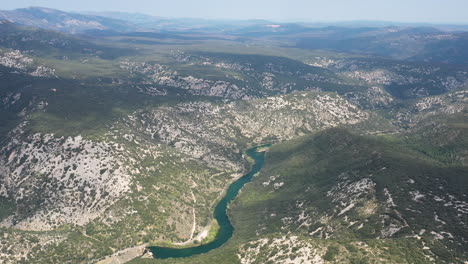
[226, 229]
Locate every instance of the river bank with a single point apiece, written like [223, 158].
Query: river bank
[226, 229]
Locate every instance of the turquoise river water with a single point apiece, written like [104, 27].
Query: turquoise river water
[220, 213]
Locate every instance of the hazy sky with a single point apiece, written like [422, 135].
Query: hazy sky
[434, 11]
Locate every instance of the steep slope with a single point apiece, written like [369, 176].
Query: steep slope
[366, 188]
[88, 190]
[340, 187]
[215, 132]
[443, 137]
[335, 197]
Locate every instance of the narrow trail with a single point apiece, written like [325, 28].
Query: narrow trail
[225, 229]
[194, 226]
[90, 237]
[220, 213]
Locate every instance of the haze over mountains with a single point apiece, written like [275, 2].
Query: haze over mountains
[421, 43]
[122, 131]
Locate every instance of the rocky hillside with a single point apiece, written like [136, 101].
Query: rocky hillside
[57, 181]
[112, 141]
[338, 197]
[401, 79]
[215, 132]
[96, 185]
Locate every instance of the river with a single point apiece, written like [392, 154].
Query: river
[220, 214]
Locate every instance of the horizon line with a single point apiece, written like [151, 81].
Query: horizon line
[299, 20]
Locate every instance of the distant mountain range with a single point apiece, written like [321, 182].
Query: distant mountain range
[62, 21]
[76, 22]
[420, 43]
[416, 44]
